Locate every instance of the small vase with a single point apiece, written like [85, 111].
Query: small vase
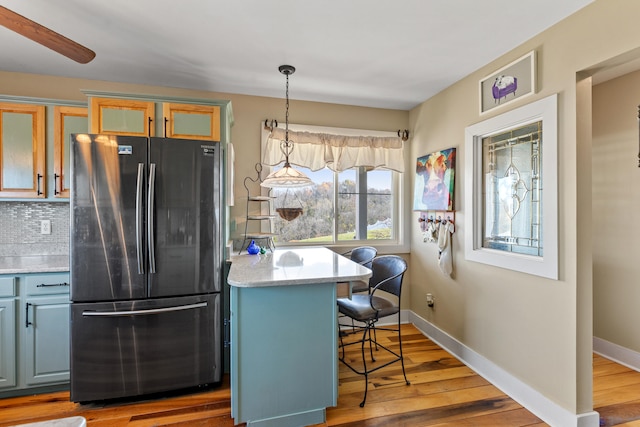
[253, 248]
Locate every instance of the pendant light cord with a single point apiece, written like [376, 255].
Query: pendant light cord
[286, 117]
[287, 143]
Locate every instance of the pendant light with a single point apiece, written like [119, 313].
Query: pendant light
[287, 177]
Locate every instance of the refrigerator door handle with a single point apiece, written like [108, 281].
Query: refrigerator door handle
[143, 312]
[139, 212]
[151, 217]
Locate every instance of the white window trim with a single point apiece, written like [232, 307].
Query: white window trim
[545, 110]
[401, 243]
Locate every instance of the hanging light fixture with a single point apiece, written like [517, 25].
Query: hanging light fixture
[287, 177]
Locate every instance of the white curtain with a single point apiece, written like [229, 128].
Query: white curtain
[337, 152]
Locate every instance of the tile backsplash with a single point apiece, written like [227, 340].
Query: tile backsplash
[20, 228]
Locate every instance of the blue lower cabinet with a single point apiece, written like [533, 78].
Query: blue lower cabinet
[7, 340]
[46, 340]
[34, 332]
[284, 368]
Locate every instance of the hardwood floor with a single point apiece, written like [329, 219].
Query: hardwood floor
[443, 392]
[616, 393]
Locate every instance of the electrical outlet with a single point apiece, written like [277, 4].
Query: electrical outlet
[431, 301]
[45, 226]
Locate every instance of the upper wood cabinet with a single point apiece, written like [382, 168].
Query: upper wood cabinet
[123, 116]
[22, 151]
[66, 120]
[116, 116]
[191, 121]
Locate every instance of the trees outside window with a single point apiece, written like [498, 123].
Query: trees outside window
[354, 205]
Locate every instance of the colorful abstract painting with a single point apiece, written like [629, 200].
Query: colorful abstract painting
[434, 183]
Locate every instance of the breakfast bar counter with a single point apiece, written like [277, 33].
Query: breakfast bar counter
[284, 363]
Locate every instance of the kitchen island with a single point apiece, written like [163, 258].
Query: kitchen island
[284, 362]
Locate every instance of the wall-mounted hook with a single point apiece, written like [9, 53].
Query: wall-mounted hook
[270, 125]
[403, 134]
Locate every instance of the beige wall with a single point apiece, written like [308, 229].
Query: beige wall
[616, 203]
[538, 330]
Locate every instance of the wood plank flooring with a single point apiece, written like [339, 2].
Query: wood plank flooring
[443, 393]
[616, 393]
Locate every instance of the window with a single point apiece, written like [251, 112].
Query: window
[511, 190]
[512, 185]
[353, 206]
[365, 205]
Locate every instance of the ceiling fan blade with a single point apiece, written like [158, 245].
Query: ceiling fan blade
[46, 37]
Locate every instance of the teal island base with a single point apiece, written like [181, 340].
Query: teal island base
[284, 369]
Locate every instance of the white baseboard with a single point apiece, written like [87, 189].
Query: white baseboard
[545, 409]
[617, 353]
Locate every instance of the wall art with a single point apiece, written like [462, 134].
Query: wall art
[514, 81]
[434, 184]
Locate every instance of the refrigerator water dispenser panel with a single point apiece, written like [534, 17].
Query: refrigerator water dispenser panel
[125, 149]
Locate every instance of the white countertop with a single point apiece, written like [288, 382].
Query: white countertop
[294, 266]
[33, 264]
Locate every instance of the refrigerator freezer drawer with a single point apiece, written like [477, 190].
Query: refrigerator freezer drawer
[134, 348]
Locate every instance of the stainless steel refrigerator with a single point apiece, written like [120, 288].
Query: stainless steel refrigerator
[146, 265]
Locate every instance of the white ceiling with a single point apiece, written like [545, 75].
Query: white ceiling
[377, 53]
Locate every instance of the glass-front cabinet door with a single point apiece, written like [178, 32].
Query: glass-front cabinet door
[191, 121]
[115, 116]
[22, 151]
[67, 120]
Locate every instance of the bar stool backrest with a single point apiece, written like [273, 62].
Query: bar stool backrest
[385, 267]
[363, 255]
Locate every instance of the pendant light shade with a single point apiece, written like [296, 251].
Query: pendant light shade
[287, 177]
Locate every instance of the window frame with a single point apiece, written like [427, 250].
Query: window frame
[545, 110]
[400, 232]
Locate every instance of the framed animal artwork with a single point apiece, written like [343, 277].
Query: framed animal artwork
[513, 81]
[435, 179]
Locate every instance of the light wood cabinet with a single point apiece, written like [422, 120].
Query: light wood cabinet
[120, 116]
[191, 121]
[115, 116]
[22, 151]
[66, 120]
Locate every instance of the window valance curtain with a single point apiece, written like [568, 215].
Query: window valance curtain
[337, 152]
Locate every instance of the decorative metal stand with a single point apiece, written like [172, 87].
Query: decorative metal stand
[266, 238]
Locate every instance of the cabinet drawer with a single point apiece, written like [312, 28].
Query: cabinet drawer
[7, 286]
[47, 284]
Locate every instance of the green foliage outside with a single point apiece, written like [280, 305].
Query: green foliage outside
[316, 222]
